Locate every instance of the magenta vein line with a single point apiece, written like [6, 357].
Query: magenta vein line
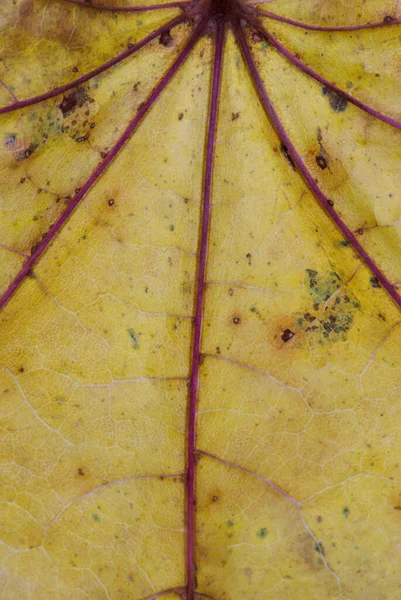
[29, 264]
[384, 23]
[325, 82]
[200, 294]
[178, 590]
[134, 9]
[310, 181]
[104, 67]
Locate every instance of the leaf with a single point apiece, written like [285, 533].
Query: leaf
[200, 338]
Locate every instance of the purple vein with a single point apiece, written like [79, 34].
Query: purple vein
[200, 294]
[107, 65]
[384, 23]
[30, 263]
[323, 81]
[87, 4]
[303, 169]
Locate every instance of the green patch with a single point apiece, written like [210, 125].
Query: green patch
[344, 243]
[134, 338]
[95, 517]
[346, 512]
[262, 533]
[230, 523]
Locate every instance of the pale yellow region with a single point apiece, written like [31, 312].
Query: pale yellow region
[266, 228]
[130, 534]
[121, 541]
[334, 14]
[46, 45]
[36, 189]
[252, 534]
[361, 167]
[357, 522]
[249, 419]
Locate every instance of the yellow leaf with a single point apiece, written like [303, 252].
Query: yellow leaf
[200, 316]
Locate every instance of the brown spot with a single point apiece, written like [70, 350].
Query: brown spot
[82, 138]
[110, 202]
[337, 101]
[321, 161]
[234, 116]
[285, 152]
[231, 291]
[287, 335]
[330, 202]
[236, 320]
[165, 39]
[215, 498]
[70, 102]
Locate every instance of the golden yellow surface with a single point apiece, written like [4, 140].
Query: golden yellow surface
[298, 476]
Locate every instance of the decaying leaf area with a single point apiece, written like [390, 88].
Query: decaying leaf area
[200, 341]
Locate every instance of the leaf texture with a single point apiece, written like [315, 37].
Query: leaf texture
[200, 315]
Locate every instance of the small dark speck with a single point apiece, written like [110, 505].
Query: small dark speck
[83, 138]
[110, 202]
[215, 498]
[374, 282]
[321, 161]
[165, 39]
[234, 116]
[236, 320]
[231, 291]
[180, 116]
[330, 202]
[287, 335]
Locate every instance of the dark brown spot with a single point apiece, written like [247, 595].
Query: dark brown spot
[70, 102]
[83, 138]
[337, 101]
[110, 202]
[236, 320]
[287, 155]
[330, 202]
[287, 335]
[321, 161]
[166, 39]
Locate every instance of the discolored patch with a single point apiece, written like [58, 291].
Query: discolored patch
[337, 101]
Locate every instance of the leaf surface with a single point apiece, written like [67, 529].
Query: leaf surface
[200, 339]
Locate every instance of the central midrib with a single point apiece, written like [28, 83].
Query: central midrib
[200, 296]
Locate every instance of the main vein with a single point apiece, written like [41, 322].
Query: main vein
[96, 6]
[200, 295]
[375, 25]
[32, 260]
